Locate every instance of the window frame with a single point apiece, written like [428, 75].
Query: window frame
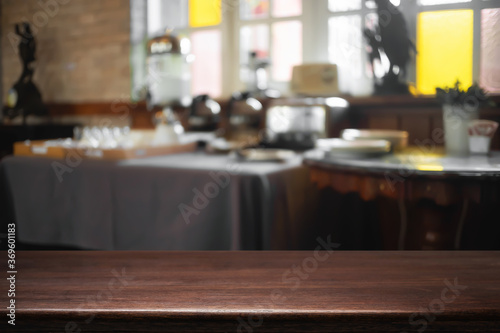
[476, 6]
[268, 21]
[411, 9]
[315, 35]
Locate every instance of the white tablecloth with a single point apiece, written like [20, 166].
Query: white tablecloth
[155, 203]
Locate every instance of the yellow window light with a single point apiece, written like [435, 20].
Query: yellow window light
[203, 13]
[444, 44]
[429, 167]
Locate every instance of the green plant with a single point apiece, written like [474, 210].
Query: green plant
[473, 96]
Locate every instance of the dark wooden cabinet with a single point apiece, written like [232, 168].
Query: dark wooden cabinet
[420, 116]
[376, 210]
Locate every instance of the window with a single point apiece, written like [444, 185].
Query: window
[490, 49]
[455, 39]
[467, 33]
[222, 33]
[198, 20]
[444, 41]
[272, 29]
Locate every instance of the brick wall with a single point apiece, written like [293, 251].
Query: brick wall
[83, 48]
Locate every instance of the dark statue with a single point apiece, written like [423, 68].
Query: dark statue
[391, 38]
[24, 98]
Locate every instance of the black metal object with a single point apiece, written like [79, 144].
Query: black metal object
[390, 37]
[299, 141]
[204, 114]
[24, 98]
[243, 114]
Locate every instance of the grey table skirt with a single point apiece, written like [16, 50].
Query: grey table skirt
[188, 201]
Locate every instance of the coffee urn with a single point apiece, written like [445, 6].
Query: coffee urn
[169, 76]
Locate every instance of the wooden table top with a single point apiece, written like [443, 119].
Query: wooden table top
[256, 291]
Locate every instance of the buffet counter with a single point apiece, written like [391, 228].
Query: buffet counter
[425, 200]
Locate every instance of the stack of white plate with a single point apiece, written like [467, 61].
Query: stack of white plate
[353, 148]
[398, 139]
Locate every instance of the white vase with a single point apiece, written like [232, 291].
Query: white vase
[455, 122]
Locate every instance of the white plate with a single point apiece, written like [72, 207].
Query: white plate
[354, 148]
[266, 154]
[398, 139]
[221, 145]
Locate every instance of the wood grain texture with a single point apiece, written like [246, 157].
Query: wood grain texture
[254, 291]
[443, 189]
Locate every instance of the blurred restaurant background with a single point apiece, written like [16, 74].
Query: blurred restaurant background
[250, 124]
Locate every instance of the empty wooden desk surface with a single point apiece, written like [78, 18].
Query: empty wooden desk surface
[255, 292]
